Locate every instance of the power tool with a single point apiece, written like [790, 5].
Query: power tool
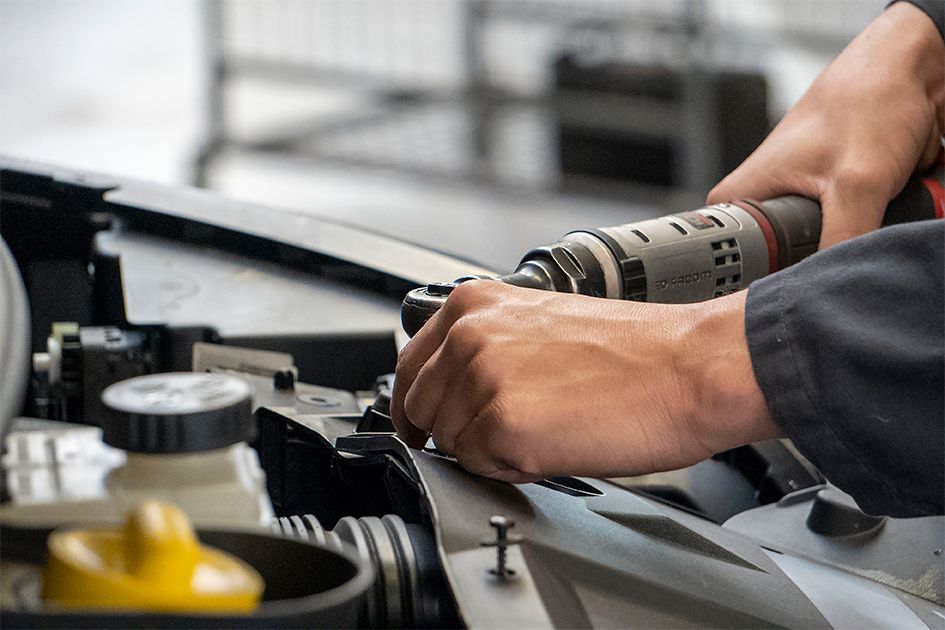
[679, 258]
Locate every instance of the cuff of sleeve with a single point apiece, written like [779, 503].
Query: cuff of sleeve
[768, 313]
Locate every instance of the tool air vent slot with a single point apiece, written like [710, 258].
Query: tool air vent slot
[678, 227]
[728, 266]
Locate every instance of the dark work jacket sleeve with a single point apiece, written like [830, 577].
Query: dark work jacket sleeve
[848, 347]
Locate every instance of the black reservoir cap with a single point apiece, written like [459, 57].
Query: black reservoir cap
[834, 513]
[178, 412]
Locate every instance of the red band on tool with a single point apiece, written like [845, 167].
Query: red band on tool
[938, 195]
[766, 229]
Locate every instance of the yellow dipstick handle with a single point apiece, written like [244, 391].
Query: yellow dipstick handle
[154, 562]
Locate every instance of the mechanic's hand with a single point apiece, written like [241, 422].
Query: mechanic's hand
[871, 119]
[521, 384]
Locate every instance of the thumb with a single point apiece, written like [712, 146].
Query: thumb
[848, 213]
[759, 178]
[742, 183]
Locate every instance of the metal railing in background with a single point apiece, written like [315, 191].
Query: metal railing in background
[478, 90]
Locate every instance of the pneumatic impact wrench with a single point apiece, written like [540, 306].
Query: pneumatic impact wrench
[680, 258]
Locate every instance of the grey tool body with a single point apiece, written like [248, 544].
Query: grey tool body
[675, 259]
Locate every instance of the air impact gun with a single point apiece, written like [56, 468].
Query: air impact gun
[679, 258]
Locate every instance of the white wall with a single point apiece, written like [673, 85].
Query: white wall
[107, 85]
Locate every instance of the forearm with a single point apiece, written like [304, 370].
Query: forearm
[730, 405]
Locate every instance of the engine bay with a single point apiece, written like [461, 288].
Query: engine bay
[350, 527]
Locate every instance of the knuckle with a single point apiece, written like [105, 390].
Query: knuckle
[494, 452]
[472, 294]
[463, 296]
[503, 417]
[409, 404]
[498, 430]
[445, 440]
[401, 425]
[401, 365]
[463, 289]
[511, 443]
[463, 338]
[396, 410]
[483, 374]
[397, 402]
[414, 410]
[406, 367]
[525, 464]
[474, 461]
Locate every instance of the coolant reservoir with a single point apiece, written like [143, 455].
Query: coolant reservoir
[153, 562]
[185, 435]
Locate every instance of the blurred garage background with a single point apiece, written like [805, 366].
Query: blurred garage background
[480, 127]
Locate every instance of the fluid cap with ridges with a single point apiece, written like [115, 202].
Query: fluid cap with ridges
[178, 412]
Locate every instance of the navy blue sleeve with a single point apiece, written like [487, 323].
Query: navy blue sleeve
[848, 347]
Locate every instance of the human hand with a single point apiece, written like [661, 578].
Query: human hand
[521, 384]
[871, 119]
